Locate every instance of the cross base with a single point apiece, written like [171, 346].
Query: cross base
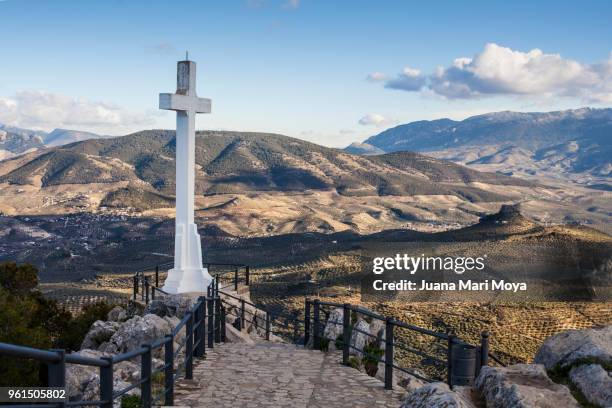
[188, 275]
[189, 280]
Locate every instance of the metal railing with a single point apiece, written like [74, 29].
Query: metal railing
[456, 362]
[202, 324]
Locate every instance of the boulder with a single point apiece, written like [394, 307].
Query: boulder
[377, 328]
[79, 376]
[137, 331]
[171, 305]
[92, 391]
[117, 314]
[594, 382]
[436, 395]
[572, 346]
[400, 378]
[522, 386]
[99, 332]
[360, 336]
[334, 326]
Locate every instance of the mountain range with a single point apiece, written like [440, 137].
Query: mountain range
[232, 162]
[15, 141]
[575, 143]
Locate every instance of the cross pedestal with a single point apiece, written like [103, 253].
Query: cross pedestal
[188, 275]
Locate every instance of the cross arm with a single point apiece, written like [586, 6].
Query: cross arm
[179, 102]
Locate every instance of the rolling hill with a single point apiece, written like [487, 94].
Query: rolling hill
[231, 162]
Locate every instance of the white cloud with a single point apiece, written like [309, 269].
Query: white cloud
[46, 111]
[377, 77]
[375, 119]
[500, 70]
[410, 79]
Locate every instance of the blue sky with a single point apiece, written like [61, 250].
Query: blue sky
[326, 71]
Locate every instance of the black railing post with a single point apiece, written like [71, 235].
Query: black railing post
[157, 276]
[56, 372]
[211, 322]
[146, 283]
[106, 384]
[388, 354]
[449, 358]
[317, 334]
[143, 288]
[223, 334]
[216, 287]
[306, 323]
[145, 376]
[242, 310]
[346, 333]
[484, 349]
[236, 280]
[217, 320]
[135, 286]
[296, 334]
[267, 326]
[169, 370]
[189, 347]
[199, 335]
[247, 275]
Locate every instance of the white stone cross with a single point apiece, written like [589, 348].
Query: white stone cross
[188, 275]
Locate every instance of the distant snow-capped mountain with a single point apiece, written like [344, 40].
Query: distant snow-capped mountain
[570, 142]
[15, 141]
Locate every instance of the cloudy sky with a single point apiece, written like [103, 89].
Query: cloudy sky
[327, 71]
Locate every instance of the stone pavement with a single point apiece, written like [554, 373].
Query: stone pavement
[279, 375]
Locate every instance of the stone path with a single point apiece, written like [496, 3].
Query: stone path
[279, 375]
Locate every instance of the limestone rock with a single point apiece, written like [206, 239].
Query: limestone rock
[92, 391]
[594, 382]
[117, 314]
[400, 378]
[360, 337]
[171, 305]
[99, 332]
[522, 386]
[565, 348]
[334, 325]
[377, 328]
[436, 395]
[137, 331]
[79, 376]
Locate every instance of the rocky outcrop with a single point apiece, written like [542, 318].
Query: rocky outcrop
[436, 395]
[334, 326]
[570, 347]
[360, 336]
[99, 333]
[522, 386]
[594, 382]
[117, 314]
[79, 376]
[171, 305]
[137, 331]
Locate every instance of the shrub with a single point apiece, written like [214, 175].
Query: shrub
[131, 401]
[324, 344]
[27, 318]
[354, 362]
[371, 356]
[72, 337]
